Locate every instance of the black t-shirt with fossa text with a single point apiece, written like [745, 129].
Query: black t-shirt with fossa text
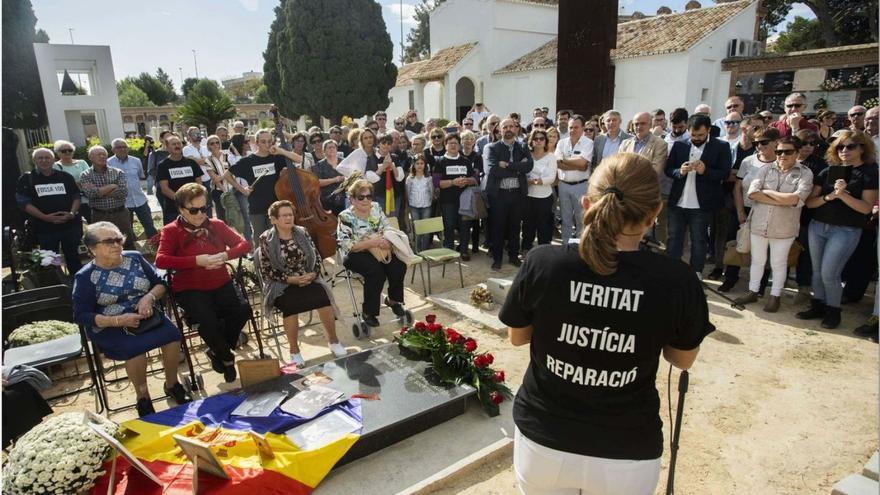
[49, 194]
[178, 172]
[253, 166]
[595, 348]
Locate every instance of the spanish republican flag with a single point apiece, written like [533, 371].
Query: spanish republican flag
[291, 471]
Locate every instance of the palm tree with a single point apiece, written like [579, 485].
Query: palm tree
[199, 110]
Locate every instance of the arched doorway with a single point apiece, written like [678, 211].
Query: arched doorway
[464, 97]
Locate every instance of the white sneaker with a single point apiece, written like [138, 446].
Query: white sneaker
[297, 359]
[338, 350]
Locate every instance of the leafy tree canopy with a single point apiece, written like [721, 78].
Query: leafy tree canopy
[130, 95]
[23, 104]
[262, 95]
[802, 34]
[839, 22]
[165, 80]
[187, 85]
[41, 36]
[418, 41]
[246, 91]
[329, 58]
[158, 92]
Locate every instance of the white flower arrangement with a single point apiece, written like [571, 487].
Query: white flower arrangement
[39, 258]
[832, 84]
[61, 455]
[872, 81]
[41, 331]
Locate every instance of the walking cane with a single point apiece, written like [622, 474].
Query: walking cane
[676, 433]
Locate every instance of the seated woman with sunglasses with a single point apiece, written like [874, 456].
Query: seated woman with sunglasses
[842, 199]
[778, 192]
[114, 298]
[360, 229]
[290, 270]
[197, 248]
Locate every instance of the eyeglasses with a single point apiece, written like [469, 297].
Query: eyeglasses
[361, 197]
[856, 114]
[848, 147]
[112, 241]
[732, 122]
[793, 105]
[786, 152]
[763, 142]
[66, 150]
[196, 211]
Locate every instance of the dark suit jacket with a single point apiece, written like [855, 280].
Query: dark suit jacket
[519, 165]
[716, 156]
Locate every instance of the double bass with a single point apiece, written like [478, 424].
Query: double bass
[303, 189]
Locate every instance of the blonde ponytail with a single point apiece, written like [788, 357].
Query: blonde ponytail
[623, 193]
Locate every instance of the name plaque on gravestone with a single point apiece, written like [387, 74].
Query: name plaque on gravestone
[407, 400]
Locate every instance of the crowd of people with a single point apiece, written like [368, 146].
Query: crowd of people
[801, 189]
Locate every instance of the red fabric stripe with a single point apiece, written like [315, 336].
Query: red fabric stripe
[178, 480]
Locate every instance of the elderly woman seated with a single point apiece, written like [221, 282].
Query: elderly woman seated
[359, 231]
[289, 267]
[197, 248]
[114, 298]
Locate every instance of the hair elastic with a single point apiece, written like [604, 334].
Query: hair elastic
[617, 192]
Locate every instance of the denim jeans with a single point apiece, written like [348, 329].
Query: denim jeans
[145, 217]
[830, 248]
[424, 240]
[697, 222]
[452, 221]
[245, 208]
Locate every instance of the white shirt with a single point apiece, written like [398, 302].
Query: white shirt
[565, 150]
[544, 169]
[191, 151]
[478, 116]
[689, 198]
[670, 140]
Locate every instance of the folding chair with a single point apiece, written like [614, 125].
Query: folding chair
[47, 303]
[437, 256]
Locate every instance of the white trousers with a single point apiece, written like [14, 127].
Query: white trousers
[544, 471]
[778, 262]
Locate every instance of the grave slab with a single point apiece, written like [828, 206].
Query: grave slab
[856, 484]
[459, 301]
[872, 467]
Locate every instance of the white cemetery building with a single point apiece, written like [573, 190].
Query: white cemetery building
[503, 53]
[79, 88]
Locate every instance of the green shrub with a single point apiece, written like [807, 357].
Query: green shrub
[135, 149]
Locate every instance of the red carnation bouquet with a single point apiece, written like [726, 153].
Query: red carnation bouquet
[455, 361]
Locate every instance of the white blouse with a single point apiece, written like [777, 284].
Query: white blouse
[544, 169]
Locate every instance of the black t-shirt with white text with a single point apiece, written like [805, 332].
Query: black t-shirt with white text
[595, 348]
[253, 166]
[49, 194]
[452, 168]
[178, 172]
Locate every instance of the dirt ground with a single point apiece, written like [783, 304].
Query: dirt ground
[775, 406]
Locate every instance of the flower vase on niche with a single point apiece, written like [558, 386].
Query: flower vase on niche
[41, 268]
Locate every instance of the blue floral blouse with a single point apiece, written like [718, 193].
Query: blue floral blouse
[350, 229]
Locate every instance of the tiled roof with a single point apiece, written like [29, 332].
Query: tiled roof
[442, 61]
[406, 73]
[657, 35]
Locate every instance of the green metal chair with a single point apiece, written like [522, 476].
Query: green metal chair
[438, 256]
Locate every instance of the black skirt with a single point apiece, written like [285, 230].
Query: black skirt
[295, 299]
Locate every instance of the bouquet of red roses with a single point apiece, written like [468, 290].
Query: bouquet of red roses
[455, 361]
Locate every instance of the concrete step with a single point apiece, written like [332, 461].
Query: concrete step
[856, 484]
[872, 467]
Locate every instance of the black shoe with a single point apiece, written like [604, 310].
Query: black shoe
[850, 299]
[465, 257]
[145, 407]
[817, 310]
[397, 308]
[832, 317]
[716, 274]
[371, 320]
[178, 393]
[727, 285]
[515, 262]
[869, 329]
[229, 373]
[216, 364]
[496, 265]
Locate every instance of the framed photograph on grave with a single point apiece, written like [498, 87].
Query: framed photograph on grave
[778, 82]
[201, 455]
[124, 452]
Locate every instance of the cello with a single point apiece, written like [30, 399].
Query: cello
[302, 188]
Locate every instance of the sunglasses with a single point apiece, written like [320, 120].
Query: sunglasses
[589, 129]
[66, 151]
[794, 105]
[361, 197]
[196, 211]
[763, 142]
[786, 152]
[112, 241]
[848, 147]
[856, 114]
[436, 137]
[732, 122]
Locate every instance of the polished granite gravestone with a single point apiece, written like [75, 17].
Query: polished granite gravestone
[408, 400]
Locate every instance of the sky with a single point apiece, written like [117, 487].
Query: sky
[228, 36]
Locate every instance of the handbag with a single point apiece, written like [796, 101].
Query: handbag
[733, 257]
[743, 236]
[382, 255]
[150, 323]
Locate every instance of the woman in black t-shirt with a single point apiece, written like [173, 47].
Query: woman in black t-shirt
[597, 316]
[843, 196]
